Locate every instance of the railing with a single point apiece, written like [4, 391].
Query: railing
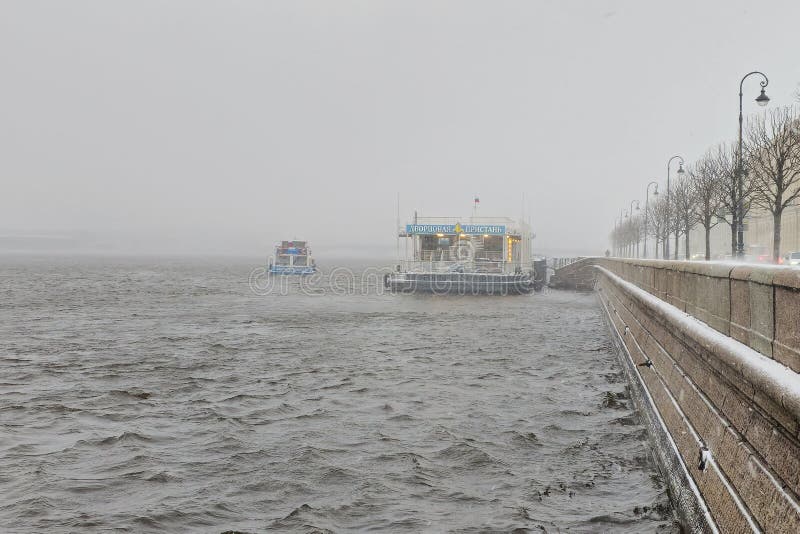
[452, 254]
[291, 261]
[558, 263]
[450, 266]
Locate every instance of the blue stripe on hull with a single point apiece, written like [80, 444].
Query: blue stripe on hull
[279, 269]
[460, 284]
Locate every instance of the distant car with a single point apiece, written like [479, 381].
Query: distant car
[793, 258]
[758, 254]
[698, 256]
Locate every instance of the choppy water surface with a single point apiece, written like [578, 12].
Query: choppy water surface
[163, 395]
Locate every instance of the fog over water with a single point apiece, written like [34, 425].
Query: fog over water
[221, 127]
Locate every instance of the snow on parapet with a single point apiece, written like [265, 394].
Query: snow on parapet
[779, 382]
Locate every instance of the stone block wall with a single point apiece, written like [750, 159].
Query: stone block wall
[757, 305]
[579, 275]
[731, 395]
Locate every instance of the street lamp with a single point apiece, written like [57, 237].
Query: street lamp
[681, 172]
[646, 211]
[762, 100]
[631, 212]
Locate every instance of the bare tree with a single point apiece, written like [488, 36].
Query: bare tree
[773, 150]
[626, 237]
[615, 240]
[707, 179]
[669, 225]
[683, 212]
[619, 238]
[725, 161]
[636, 229]
[658, 222]
[674, 224]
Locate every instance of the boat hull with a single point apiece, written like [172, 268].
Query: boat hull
[460, 283]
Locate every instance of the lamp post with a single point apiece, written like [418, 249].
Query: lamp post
[646, 211]
[630, 213]
[623, 246]
[761, 100]
[680, 171]
[619, 230]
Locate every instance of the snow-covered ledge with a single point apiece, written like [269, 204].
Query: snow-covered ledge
[728, 403]
[779, 382]
[758, 305]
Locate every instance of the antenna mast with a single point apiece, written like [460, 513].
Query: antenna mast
[397, 228]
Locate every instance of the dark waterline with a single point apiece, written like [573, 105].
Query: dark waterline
[157, 396]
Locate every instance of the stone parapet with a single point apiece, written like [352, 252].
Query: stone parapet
[758, 305]
[738, 397]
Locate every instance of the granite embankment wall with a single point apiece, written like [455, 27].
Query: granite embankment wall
[715, 349]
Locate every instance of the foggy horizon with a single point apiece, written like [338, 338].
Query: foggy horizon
[210, 128]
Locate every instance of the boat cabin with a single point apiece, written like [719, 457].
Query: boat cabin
[292, 257]
[475, 244]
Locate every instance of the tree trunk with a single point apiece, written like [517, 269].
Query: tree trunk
[677, 236]
[776, 236]
[734, 219]
[708, 240]
[656, 247]
[686, 244]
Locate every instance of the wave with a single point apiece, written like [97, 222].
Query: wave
[244, 397]
[125, 437]
[133, 393]
[303, 517]
[468, 456]
[409, 457]
[525, 439]
[611, 399]
[162, 477]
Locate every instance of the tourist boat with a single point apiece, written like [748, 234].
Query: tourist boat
[292, 257]
[475, 255]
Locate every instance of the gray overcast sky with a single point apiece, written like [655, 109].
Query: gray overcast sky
[225, 126]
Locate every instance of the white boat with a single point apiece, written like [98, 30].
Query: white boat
[474, 255]
[292, 257]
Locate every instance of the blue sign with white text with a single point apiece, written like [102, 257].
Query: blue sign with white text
[469, 229]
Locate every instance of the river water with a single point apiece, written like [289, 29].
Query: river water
[173, 395]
